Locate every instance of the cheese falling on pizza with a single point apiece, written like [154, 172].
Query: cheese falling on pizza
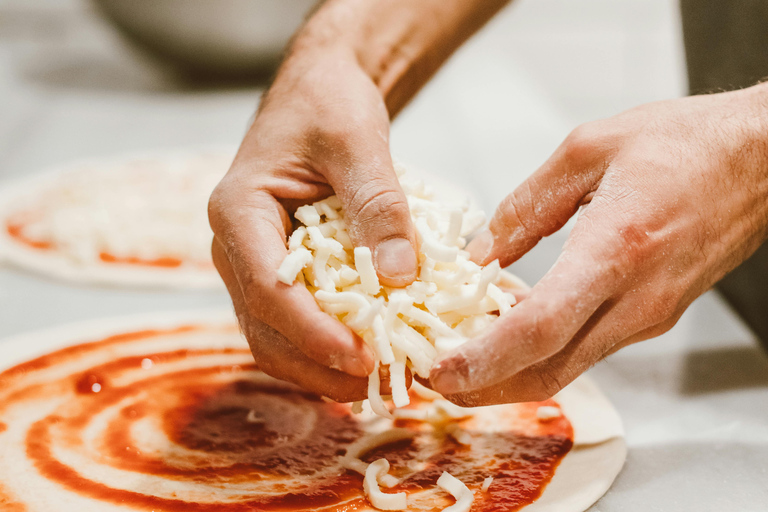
[171, 413]
[452, 300]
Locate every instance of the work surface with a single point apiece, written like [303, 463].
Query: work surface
[694, 401]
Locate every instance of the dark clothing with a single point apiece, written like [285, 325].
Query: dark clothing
[726, 45]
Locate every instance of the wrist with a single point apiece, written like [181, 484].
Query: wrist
[398, 44]
[758, 95]
[755, 121]
[378, 44]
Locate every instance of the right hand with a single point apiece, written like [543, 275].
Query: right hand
[321, 129]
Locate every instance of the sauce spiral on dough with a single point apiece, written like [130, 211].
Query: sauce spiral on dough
[181, 419]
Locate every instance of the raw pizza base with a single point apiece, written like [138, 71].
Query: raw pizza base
[582, 477]
[61, 267]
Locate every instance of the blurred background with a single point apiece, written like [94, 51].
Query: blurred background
[86, 78]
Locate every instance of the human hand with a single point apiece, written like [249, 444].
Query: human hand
[322, 128]
[671, 196]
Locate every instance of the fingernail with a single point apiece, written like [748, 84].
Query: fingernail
[480, 247]
[448, 379]
[352, 365]
[395, 259]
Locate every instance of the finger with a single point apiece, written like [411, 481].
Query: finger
[278, 357]
[424, 382]
[606, 332]
[251, 237]
[363, 177]
[583, 278]
[543, 379]
[514, 285]
[543, 203]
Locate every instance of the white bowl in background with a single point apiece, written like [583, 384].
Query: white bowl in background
[222, 37]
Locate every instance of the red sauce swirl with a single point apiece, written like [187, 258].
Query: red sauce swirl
[209, 432]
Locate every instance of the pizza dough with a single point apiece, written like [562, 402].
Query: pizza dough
[133, 220]
[168, 412]
[129, 221]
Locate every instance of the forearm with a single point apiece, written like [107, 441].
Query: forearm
[400, 44]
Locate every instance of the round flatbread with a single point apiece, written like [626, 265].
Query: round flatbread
[169, 412]
[138, 220]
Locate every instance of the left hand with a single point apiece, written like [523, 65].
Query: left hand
[671, 196]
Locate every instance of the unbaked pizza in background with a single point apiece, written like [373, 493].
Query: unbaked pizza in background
[128, 221]
[171, 413]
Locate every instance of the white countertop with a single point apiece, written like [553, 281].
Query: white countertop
[694, 401]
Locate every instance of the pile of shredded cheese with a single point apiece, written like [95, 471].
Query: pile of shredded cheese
[451, 301]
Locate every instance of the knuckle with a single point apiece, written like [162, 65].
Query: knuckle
[669, 323]
[635, 245]
[583, 144]
[511, 218]
[219, 258]
[662, 327]
[666, 305]
[376, 202]
[216, 202]
[229, 194]
[629, 246]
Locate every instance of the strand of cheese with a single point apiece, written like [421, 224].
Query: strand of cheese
[548, 413]
[351, 459]
[381, 500]
[460, 435]
[458, 490]
[374, 394]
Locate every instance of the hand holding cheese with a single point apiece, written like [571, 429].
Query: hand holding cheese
[672, 197]
[323, 129]
[452, 300]
[311, 138]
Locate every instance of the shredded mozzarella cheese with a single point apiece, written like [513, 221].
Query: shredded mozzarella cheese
[293, 264]
[452, 300]
[458, 490]
[364, 265]
[548, 413]
[460, 435]
[378, 499]
[351, 459]
[486, 484]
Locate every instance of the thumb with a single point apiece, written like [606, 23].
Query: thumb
[377, 209]
[540, 206]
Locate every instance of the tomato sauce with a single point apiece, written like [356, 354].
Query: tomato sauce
[158, 262]
[225, 426]
[16, 231]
